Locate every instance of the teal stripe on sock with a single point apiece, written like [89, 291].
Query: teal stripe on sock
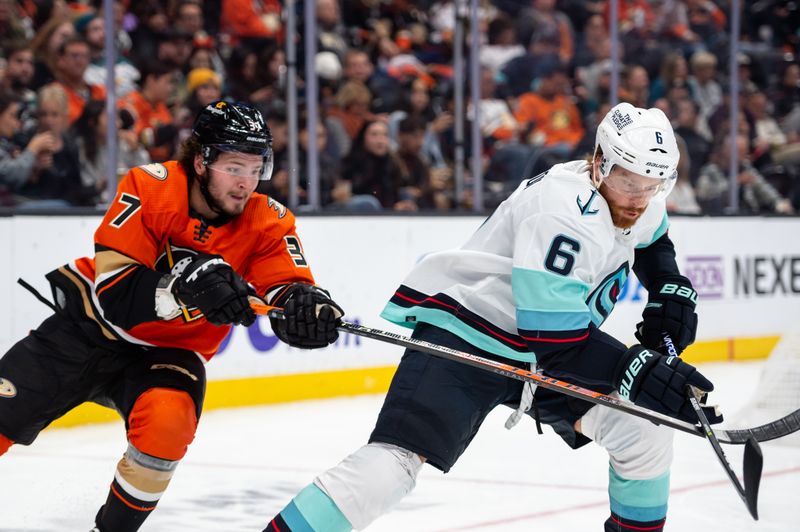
[312, 511]
[295, 519]
[639, 500]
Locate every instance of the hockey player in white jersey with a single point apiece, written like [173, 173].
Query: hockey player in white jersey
[531, 287]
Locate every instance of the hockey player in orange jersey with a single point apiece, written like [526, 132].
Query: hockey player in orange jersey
[180, 251]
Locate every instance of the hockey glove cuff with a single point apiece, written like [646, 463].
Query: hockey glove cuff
[658, 382]
[310, 316]
[669, 310]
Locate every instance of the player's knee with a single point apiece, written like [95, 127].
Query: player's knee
[5, 443]
[162, 423]
[637, 448]
[370, 481]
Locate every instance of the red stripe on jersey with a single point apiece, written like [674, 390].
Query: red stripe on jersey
[558, 340]
[462, 316]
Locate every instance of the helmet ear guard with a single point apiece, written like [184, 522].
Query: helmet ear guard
[640, 140]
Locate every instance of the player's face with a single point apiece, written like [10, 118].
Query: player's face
[628, 195]
[233, 179]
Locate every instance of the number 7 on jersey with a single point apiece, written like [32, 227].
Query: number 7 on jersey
[133, 204]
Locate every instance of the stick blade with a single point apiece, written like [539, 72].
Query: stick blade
[753, 465]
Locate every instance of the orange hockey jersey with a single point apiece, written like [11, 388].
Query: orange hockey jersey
[149, 231]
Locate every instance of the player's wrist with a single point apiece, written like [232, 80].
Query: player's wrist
[166, 304]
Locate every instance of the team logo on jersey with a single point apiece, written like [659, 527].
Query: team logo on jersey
[157, 170]
[174, 259]
[586, 208]
[602, 300]
[7, 388]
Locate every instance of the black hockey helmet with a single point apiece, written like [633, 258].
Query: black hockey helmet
[233, 126]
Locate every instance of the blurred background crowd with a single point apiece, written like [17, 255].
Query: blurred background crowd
[385, 129]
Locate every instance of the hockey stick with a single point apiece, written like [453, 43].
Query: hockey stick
[753, 461]
[769, 431]
[753, 458]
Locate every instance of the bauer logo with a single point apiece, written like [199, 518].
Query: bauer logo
[707, 275]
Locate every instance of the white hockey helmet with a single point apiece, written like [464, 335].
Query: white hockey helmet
[641, 141]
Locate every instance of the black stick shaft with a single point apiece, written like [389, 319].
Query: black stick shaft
[522, 375]
[779, 428]
[750, 500]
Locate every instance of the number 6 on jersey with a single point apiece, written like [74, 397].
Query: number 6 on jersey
[559, 259]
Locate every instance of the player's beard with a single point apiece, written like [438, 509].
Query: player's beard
[625, 217]
[230, 206]
[221, 203]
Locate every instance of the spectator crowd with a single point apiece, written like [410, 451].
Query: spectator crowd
[386, 126]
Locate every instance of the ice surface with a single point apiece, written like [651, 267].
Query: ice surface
[245, 464]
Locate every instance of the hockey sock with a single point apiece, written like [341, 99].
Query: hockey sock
[637, 504]
[5, 443]
[616, 523]
[138, 484]
[311, 509]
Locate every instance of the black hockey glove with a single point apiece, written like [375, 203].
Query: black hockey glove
[309, 319]
[669, 310]
[211, 285]
[659, 382]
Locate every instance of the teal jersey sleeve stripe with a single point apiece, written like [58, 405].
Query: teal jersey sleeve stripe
[538, 290]
[536, 320]
[662, 229]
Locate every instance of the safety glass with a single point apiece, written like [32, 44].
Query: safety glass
[641, 188]
[238, 171]
[264, 173]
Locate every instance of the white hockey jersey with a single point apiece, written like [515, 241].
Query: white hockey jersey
[546, 264]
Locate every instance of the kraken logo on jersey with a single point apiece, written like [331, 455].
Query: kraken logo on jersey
[174, 260]
[602, 300]
[7, 388]
[585, 208]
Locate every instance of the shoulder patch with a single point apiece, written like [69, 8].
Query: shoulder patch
[277, 206]
[586, 207]
[157, 170]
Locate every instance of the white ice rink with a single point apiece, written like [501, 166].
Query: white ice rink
[245, 464]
